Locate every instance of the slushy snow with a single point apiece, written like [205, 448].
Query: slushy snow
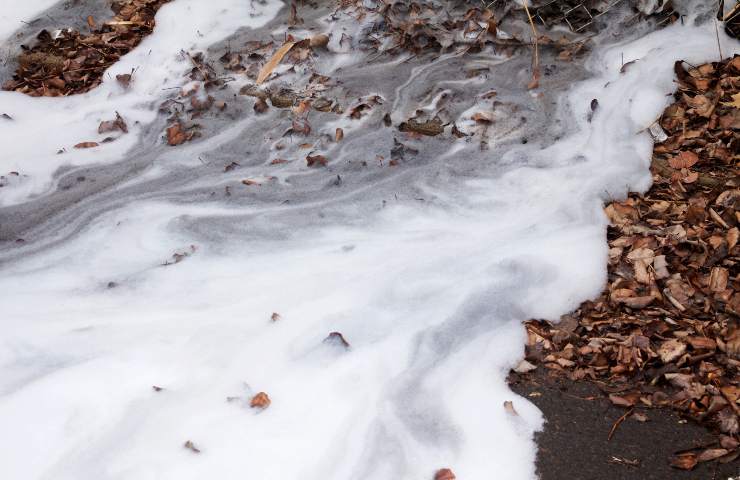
[429, 298]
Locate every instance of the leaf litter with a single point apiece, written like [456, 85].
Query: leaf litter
[664, 333]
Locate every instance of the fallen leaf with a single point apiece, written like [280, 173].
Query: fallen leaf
[735, 103]
[509, 407]
[273, 62]
[684, 159]
[718, 279]
[623, 400]
[711, 454]
[261, 400]
[312, 160]
[670, 350]
[319, 41]
[337, 339]
[444, 474]
[86, 145]
[684, 461]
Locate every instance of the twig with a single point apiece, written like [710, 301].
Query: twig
[719, 46]
[619, 422]
[536, 59]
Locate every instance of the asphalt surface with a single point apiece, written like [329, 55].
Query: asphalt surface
[574, 445]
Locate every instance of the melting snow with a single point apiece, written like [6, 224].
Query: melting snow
[430, 298]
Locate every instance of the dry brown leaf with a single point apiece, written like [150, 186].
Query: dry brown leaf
[623, 400]
[268, 68]
[671, 350]
[735, 103]
[684, 461]
[261, 400]
[509, 407]
[718, 279]
[711, 454]
[319, 41]
[641, 259]
[316, 160]
[444, 474]
[86, 145]
[684, 159]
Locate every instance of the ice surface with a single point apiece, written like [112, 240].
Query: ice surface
[14, 14]
[430, 295]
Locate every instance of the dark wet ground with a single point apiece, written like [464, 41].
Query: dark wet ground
[574, 445]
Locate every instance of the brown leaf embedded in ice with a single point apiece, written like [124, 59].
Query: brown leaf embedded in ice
[671, 350]
[86, 145]
[275, 316]
[119, 124]
[482, 117]
[338, 135]
[316, 160]
[261, 400]
[444, 474]
[261, 106]
[268, 68]
[319, 41]
[429, 128]
[176, 135]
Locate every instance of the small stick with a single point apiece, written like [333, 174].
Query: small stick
[618, 422]
[719, 47]
[536, 60]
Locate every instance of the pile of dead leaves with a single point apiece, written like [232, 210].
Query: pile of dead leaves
[665, 331]
[68, 61]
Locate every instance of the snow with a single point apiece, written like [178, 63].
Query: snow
[13, 14]
[188, 25]
[429, 297]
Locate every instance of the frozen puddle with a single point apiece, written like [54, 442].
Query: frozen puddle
[426, 268]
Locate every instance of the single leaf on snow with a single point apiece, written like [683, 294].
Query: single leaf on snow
[274, 62]
[444, 474]
[261, 400]
[86, 145]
